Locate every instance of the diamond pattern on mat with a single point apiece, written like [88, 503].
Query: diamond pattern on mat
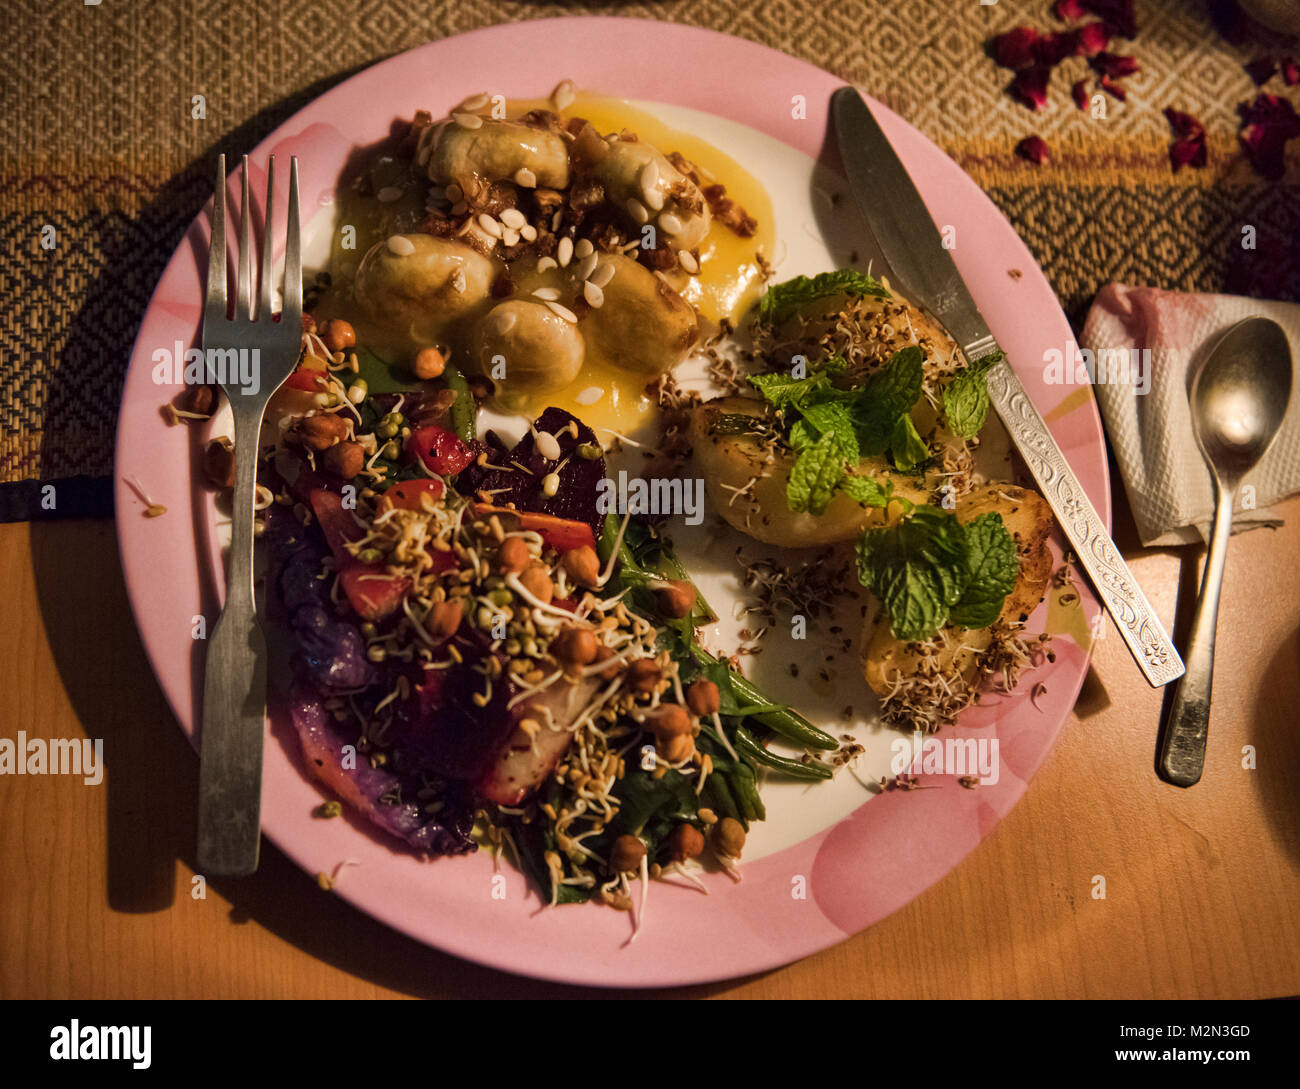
[96, 137]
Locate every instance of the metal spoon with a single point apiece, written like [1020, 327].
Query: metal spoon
[1238, 397]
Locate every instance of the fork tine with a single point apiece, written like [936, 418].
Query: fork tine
[244, 303]
[268, 251]
[215, 310]
[292, 309]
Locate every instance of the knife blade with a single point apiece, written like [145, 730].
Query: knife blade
[924, 268]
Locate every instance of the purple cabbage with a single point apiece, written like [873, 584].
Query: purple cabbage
[331, 650]
[388, 800]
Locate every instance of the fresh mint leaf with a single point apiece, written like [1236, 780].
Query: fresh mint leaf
[889, 393]
[817, 470]
[867, 490]
[906, 446]
[802, 435]
[918, 568]
[966, 396]
[994, 566]
[783, 300]
[832, 418]
[783, 389]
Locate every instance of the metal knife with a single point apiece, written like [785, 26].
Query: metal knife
[914, 250]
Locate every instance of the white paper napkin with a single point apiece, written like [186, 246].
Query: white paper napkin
[1167, 480]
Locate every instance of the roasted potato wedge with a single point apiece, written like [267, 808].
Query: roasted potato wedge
[889, 325]
[1028, 519]
[746, 481]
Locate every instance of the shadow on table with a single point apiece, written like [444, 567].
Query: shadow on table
[1276, 739]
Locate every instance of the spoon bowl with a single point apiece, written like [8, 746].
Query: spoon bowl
[1238, 398]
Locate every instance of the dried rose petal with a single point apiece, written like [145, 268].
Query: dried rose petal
[1116, 14]
[1189, 147]
[1261, 69]
[1290, 71]
[1091, 39]
[1015, 48]
[1051, 49]
[1080, 93]
[1116, 90]
[1187, 153]
[1271, 110]
[1030, 86]
[1035, 149]
[1266, 149]
[1267, 124]
[1185, 126]
[1113, 66]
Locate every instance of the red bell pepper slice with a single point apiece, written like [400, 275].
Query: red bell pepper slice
[310, 379]
[441, 450]
[371, 592]
[336, 522]
[561, 534]
[408, 494]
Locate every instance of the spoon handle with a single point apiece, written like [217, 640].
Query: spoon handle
[1182, 752]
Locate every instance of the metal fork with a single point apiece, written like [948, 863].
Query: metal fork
[249, 357]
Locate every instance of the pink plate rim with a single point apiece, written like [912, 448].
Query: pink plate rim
[851, 874]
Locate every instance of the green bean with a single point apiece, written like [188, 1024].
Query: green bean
[796, 769]
[751, 710]
[463, 409]
[787, 722]
[747, 792]
[724, 803]
[634, 574]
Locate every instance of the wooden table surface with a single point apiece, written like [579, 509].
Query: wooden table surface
[1202, 885]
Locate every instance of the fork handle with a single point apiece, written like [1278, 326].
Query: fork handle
[234, 692]
[1182, 751]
